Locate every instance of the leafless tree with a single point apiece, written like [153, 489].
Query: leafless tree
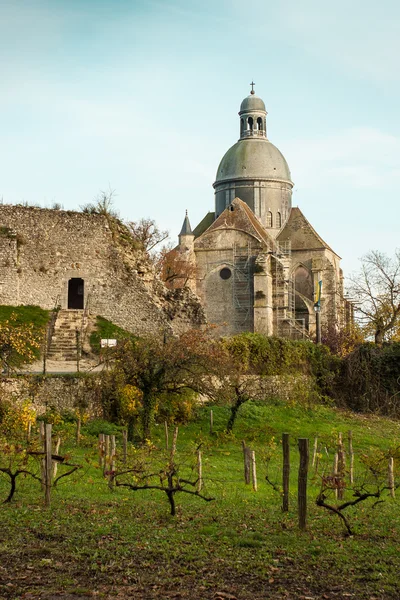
[376, 292]
[147, 234]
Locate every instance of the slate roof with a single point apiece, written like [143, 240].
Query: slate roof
[239, 216]
[301, 233]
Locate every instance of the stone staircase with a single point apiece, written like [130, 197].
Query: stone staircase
[63, 340]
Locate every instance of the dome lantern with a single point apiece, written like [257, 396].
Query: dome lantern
[252, 116]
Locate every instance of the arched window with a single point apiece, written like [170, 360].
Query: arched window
[259, 124]
[241, 126]
[278, 219]
[269, 219]
[250, 123]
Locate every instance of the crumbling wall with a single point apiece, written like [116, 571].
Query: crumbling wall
[42, 249]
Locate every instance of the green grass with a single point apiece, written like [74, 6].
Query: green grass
[106, 330]
[93, 541]
[25, 315]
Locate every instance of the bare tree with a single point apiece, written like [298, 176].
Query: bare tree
[376, 291]
[102, 205]
[146, 234]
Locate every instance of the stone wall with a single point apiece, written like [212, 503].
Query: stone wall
[41, 250]
[61, 393]
[64, 393]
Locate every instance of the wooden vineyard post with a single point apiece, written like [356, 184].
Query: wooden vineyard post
[335, 473]
[56, 451]
[43, 460]
[286, 471]
[28, 433]
[341, 468]
[78, 430]
[351, 456]
[199, 471]
[246, 459]
[302, 482]
[48, 463]
[101, 450]
[315, 450]
[173, 447]
[111, 469]
[253, 470]
[166, 435]
[391, 477]
[211, 422]
[124, 445]
[106, 453]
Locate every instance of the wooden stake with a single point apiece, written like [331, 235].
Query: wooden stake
[173, 447]
[246, 459]
[315, 451]
[317, 461]
[341, 468]
[335, 471]
[302, 482]
[166, 435]
[351, 456]
[101, 450]
[106, 453]
[43, 460]
[253, 470]
[391, 477]
[199, 471]
[111, 470]
[286, 471]
[48, 463]
[29, 431]
[124, 445]
[78, 431]
[56, 451]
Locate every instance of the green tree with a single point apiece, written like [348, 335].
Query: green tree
[158, 366]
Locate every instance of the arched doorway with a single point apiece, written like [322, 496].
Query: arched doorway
[75, 293]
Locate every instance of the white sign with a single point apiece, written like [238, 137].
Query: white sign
[108, 343]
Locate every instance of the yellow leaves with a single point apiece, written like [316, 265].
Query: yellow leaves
[130, 398]
[18, 419]
[19, 342]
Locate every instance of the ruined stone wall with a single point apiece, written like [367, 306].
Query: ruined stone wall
[65, 393]
[42, 249]
[60, 393]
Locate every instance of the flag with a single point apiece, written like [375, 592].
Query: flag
[318, 293]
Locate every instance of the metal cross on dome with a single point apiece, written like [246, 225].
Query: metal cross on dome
[252, 87]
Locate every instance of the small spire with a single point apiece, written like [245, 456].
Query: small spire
[186, 228]
[252, 88]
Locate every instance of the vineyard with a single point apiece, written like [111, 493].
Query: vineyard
[95, 519]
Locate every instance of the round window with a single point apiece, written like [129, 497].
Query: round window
[225, 273]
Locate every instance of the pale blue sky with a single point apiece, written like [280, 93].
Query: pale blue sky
[143, 95]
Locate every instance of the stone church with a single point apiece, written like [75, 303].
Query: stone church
[257, 260]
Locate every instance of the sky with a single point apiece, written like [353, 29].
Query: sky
[141, 97]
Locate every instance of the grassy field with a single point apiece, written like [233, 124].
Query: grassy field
[97, 542]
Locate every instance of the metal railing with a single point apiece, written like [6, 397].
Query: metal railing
[50, 331]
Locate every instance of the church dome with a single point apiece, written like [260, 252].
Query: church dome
[252, 102]
[253, 158]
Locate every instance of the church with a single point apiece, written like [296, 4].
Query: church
[258, 263]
